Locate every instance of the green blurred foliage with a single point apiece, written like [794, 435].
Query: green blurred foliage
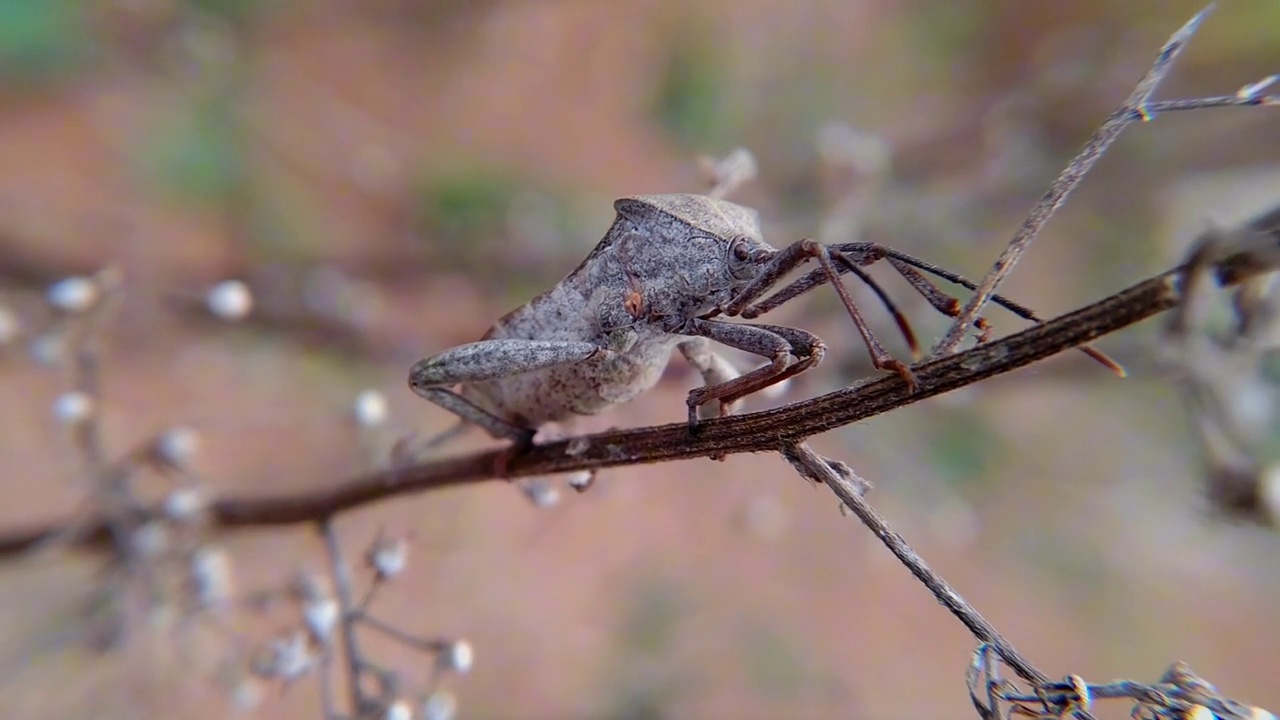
[467, 208]
[499, 227]
[644, 682]
[239, 12]
[42, 40]
[692, 101]
[196, 155]
[962, 447]
[775, 666]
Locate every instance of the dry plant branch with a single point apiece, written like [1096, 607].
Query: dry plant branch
[1251, 253]
[1137, 106]
[844, 485]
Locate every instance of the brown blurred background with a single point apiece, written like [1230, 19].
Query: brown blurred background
[391, 175]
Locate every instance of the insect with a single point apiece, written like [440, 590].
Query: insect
[659, 280]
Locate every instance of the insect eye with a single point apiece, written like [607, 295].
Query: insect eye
[740, 249]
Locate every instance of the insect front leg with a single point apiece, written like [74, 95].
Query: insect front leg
[432, 378]
[713, 367]
[853, 255]
[787, 259]
[777, 343]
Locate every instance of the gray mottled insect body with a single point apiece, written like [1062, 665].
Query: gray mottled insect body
[604, 334]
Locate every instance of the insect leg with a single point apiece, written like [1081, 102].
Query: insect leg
[776, 343]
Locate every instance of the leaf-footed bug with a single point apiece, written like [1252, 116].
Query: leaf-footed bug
[667, 267]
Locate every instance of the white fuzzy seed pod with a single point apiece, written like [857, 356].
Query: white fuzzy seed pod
[184, 504]
[321, 615]
[150, 540]
[48, 349]
[389, 557]
[457, 657]
[398, 710]
[177, 446]
[581, 480]
[73, 294]
[1269, 493]
[286, 658]
[540, 492]
[370, 408]
[230, 300]
[73, 408]
[10, 325]
[440, 705]
[210, 570]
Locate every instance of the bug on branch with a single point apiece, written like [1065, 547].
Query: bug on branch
[658, 281]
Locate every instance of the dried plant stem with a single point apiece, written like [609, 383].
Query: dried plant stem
[853, 499]
[341, 574]
[1134, 108]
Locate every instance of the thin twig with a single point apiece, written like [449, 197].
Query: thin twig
[1135, 107]
[850, 494]
[341, 574]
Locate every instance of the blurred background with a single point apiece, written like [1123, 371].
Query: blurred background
[389, 176]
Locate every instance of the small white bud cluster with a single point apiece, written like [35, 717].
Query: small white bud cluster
[210, 575]
[320, 610]
[399, 710]
[457, 656]
[74, 295]
[73, 408]
[388, 557]
[540, 492]
[286, 658]
[176, 447]
[10, 325]
[440, 705]
[582, 480]
[370, 409]
[229, 300]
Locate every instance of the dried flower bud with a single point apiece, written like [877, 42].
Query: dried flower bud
[10, 325]
[210, 571]
[398, 710]
[175, 447]
[388, 556]
[73, 408]
[150, 540]
[457, 657]
[184, 504]
[286, 658]
[321, 615]
[1269, 493]
[230, 300]
[440, 705]
[246, 695]
[540, 492]
[73, 294]
[48, 349]
[370, 408]
[582, 480]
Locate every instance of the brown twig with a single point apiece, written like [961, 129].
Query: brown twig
[1134, 108]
